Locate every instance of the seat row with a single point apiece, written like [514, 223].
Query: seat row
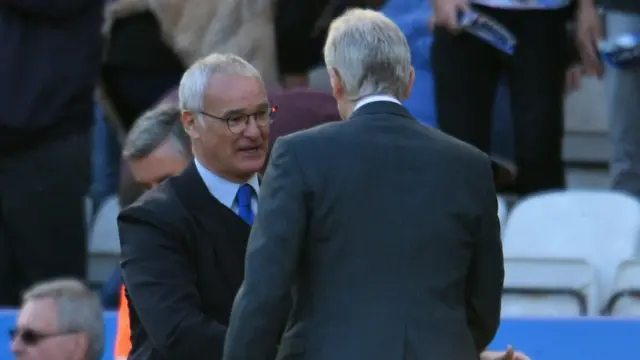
[572, 252]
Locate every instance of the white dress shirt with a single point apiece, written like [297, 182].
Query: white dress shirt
[373, 98]
[225, 191]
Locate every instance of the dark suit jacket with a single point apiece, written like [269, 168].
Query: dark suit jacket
[182, 264]
[391, 246]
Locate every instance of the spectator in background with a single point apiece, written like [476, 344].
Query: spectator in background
[622, 86]
[301, 29]
[467, 72]
[414, 18]
[59, 320]
[49, 65]
[196, 28]
[410, 16]
[156, 148]
[138, 67]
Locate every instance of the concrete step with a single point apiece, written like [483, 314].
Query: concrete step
[586, 147]
[582, 178]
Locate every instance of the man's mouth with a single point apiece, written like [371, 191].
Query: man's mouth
[250, 149]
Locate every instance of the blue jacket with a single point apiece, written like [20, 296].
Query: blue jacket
[412, 16]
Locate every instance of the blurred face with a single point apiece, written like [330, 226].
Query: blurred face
[232, 137]
[165, 161]
[36, 336]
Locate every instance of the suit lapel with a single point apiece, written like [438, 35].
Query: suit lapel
[230, 243]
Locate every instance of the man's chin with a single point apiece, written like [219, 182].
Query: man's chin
[251, 166]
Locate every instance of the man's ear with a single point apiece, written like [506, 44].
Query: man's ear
[409, 89]
[190, 123]
[336, 83]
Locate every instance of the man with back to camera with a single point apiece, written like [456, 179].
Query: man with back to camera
[391, 246]
[157, 147]
[183, 241]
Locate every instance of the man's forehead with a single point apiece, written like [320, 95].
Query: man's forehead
[235, 91]
[38, 314]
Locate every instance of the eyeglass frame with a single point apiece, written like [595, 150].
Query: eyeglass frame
[32, 337]
[243, 118]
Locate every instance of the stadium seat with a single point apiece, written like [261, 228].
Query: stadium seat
[104, 243]
[547, 287]
[599, 227]
[625, 297]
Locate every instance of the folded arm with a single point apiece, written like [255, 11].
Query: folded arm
[262, 306]
[162, 288]
[486, 275]
[55, 9]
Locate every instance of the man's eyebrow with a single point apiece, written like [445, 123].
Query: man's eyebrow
[232, 112]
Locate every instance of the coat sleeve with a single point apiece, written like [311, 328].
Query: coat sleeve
[486, 274]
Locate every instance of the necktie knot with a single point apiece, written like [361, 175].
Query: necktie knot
[243, 197]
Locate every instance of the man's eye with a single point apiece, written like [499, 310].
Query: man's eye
[235, 119]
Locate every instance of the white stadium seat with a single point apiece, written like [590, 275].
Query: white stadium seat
[599, 227]
[104, 242]
[547, 287]
[625, 297]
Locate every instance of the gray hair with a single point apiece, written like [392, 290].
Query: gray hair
[78, 310]
[195, 80]
[370, 53]
[152, 129]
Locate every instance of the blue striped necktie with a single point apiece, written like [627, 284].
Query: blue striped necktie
[244, 195]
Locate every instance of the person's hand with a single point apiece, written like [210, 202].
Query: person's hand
[589, 33]
[573, 78]
[446, 13]
[511, 354]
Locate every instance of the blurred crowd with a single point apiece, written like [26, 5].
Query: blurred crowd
[91, 108]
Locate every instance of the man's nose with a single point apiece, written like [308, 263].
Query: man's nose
[16, 346]
[252, 130]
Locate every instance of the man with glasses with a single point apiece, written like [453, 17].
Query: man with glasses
[183, 242]
[59, 320]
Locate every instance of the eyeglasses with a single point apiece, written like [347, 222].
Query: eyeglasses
[238, 123]
[32, 337]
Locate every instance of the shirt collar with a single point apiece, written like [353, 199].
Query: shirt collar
[373, 98]
[222, 189]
